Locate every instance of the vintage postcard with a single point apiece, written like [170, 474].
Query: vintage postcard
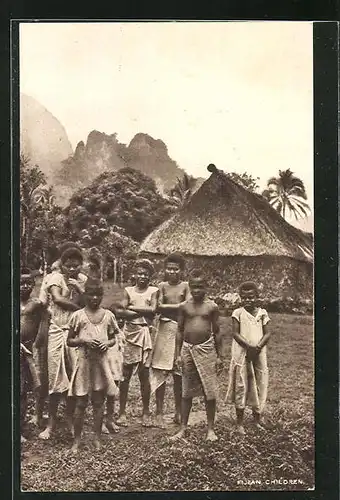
[167, 256]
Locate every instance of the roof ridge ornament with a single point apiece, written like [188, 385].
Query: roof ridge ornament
[212, 168]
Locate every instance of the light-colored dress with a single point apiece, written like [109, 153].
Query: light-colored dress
[138, 345]
[89, 373]
[61, 359]
[248, 380]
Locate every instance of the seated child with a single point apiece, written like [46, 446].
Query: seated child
[248, 374]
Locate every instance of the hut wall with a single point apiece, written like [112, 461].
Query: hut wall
[279, 277]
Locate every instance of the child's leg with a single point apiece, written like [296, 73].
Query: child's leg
[110, 408]
[98, 398]
[123, 393]
[23, 411]
[210, 407]
[178, 397]
[79, 412]
[258, 419]
[70, 408]
[143, 374]
[186, 407]
[240, 420]
[160, 393]
[39, 408]
[52, 415]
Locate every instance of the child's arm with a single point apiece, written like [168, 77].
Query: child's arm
[236, 334]
[147, 310]
[112, 331]
[216, 330]
[164, 308]
[266, 336]
[73, 339]
[62, 301]
[179, 335]
[123, 311]
[42, 336]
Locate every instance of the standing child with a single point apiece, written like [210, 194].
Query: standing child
[138, 309]
[248, 377]
[172, 293]
[65, 290]
[198, 353]
[30, 316]
[93, 330]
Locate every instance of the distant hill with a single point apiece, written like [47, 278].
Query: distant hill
[43, 138]
[104, 152]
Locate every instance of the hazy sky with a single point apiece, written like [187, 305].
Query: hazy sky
[237, 94]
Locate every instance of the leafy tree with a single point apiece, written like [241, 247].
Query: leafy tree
[246, 180]
[31, 179]
[42, 221]
[125, 199]
[287, 193]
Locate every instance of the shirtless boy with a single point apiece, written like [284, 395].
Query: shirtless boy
[30, 316]
[198, 353]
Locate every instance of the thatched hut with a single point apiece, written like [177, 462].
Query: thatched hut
[235, 235]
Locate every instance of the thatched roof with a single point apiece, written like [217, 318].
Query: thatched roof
[224, 219]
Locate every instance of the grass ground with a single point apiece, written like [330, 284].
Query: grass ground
[139, 459]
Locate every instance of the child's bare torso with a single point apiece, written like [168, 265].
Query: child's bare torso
[30, 315]
[174, 294]
[198, 321]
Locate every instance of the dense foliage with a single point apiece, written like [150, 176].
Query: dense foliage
[246, 180]
[41, 220]
[126, 201]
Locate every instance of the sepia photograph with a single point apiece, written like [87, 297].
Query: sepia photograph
[166, 256]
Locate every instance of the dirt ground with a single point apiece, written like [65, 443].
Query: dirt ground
[143, 459]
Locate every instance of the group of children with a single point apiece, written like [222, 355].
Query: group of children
[72, 347]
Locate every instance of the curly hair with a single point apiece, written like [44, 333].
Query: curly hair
[145, 264]
[71, 253]
[176, 258]
[248, 286]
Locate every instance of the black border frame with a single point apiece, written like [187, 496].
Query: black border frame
[326, 251]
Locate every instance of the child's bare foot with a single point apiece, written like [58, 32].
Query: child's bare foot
[97, 444]
[259, 426]
[159, 422]
[46, 434]
[122, 420]
[211, 436]
[180, 435]
[240, 430]
[111, 427]
[75, 447]
[146, 421]
[105, 429]
[177, 419]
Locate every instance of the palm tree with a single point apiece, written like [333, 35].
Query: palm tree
[31, 179]
[183, 190]
[45, 198]
[287, 193]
